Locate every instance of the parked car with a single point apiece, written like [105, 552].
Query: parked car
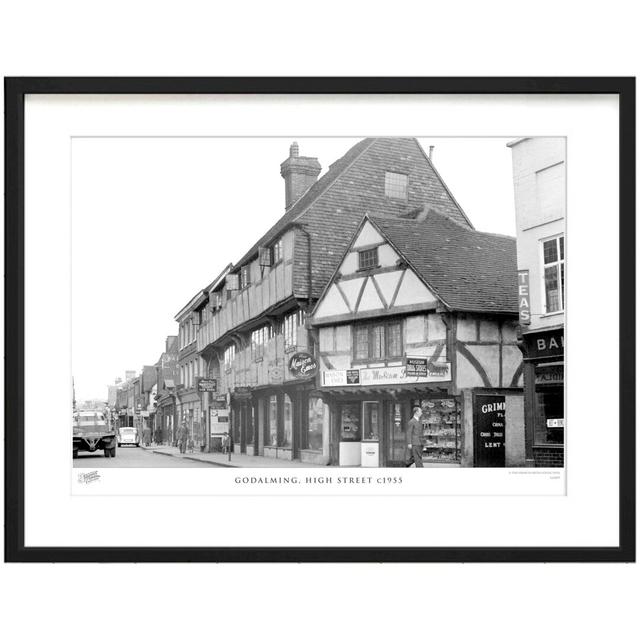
[128, 435]
[91, 432]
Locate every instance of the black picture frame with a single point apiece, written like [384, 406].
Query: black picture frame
[15, 91]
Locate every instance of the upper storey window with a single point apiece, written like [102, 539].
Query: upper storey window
[553, 259]
[395, 185]
[276, 252]
[368, 259]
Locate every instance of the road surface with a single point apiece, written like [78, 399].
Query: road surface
[128, 456]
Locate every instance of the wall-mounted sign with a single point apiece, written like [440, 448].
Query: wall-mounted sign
[435, 372]
[218, 421]
[416, 366]
[353, 376]
[555, 423]
[275, 374]
[545, 344]
[303, 365]
[242, 393]
[207, 384]
[489, 427]
[524, 301]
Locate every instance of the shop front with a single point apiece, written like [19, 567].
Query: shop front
[544, 397]
[370, 426]
[371, 408]
[190, 415]
[288, 421]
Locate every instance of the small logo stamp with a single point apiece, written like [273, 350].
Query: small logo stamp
[88, 477]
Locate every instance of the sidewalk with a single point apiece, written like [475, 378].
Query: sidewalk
[237, 459]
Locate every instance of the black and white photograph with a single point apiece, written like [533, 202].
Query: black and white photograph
[324, 310]
[318, 302]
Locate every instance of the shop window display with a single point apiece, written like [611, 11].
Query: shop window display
[350, 422]
[288, 422]
[273, 421]
[441, 429]
[318, 413]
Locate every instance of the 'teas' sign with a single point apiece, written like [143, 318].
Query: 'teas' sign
[524, 303]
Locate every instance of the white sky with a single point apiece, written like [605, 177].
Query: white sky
[156, 219]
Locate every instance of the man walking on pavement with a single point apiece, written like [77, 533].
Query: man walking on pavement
[183, 436]
[414, 439]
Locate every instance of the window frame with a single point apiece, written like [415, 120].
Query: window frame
[371, 327]
[245, 276]
[389, 186]
[560, 266]
[277, 252]
[370, 250]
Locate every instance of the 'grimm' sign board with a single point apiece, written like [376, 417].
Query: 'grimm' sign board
[489, 427]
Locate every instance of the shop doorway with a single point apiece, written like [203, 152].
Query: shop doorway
[395, 446]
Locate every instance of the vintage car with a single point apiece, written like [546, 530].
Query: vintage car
[128, 435]
[92, 432]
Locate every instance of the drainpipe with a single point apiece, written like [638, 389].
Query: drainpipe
[297, 225]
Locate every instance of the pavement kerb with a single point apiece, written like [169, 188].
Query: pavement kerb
[173, 455]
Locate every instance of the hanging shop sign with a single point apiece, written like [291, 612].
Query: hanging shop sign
[435, 372]
[242, 393]
[489, 426]
[524, 301]
[303, 365]
[207, 384]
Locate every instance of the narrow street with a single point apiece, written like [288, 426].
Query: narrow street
[128, 456]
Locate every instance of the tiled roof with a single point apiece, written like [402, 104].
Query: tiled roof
[469, 270]
[308, 197]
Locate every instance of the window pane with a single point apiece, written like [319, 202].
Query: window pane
[273, 421]
[550, 249]
[362, 343]
[551, 289]
[368, 258]
[394, 337]
[288, 422]
[562, 280]
[377, 340]
[395, 185]
[561, 240]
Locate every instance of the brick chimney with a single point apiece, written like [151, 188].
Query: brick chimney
[299, 174]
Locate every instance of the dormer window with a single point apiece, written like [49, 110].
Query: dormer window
[395, 185]
[368, 259]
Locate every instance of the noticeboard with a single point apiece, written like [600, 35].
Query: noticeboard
[489, 428]
[416, 367]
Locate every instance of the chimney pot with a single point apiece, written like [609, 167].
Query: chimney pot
[299, 173]
[431, 148]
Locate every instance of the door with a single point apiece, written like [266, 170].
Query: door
[371, 430]
[395, 441]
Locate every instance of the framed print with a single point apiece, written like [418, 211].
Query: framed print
[320, 319]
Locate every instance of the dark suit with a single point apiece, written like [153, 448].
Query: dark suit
[414, 438]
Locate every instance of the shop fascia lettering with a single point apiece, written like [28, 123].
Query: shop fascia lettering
[441, 372]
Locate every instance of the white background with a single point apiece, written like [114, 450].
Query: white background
[286, 601]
